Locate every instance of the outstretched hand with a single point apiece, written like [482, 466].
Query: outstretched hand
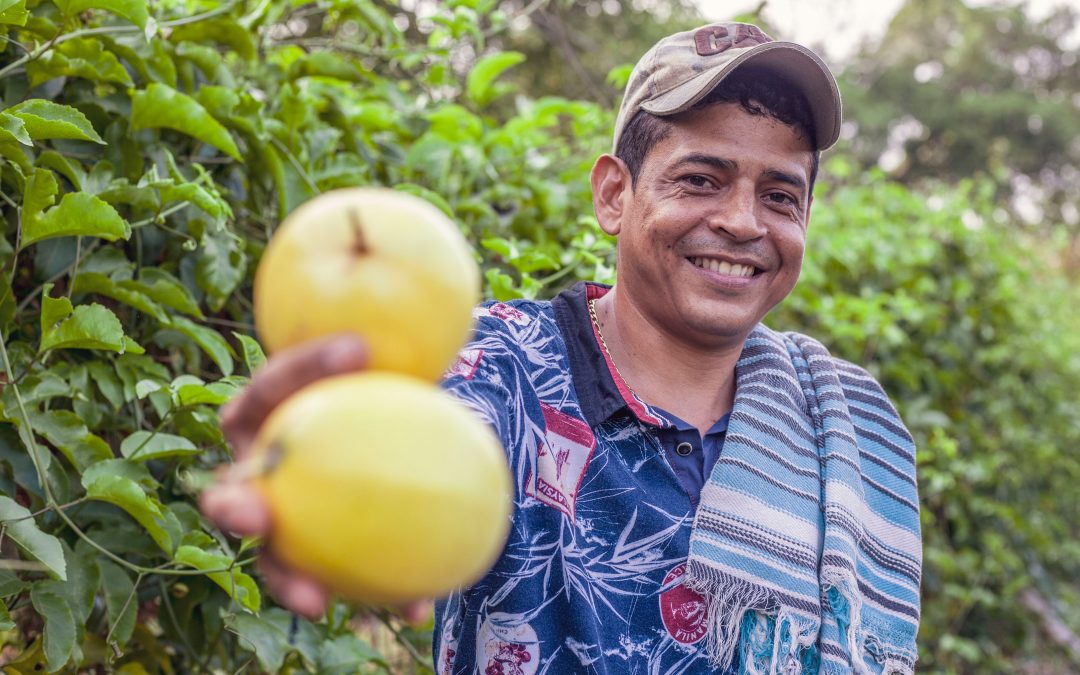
[235, 506]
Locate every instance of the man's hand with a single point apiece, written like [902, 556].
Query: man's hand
[233, 504]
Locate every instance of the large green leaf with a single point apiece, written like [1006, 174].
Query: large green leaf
[19, 526]
[82, 327]
[269, 642]
[95, 282]
[78, 214]
[222, 30]
[133, 10]
[142, 446]
[161, 106]
[130, 496]
[480, 84]
[60, 630]
[209, 340]
[164, 288]
[46, 119]
[80, 57]
[121, 601]
[239, 586]
[13, 12]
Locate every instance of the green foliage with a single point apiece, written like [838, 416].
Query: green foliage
[971, 330]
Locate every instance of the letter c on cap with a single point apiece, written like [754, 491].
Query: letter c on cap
[712, 40]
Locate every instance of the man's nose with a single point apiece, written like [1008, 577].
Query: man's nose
[737, 216]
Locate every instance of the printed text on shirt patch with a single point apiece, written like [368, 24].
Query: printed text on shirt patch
[684, 612]
[561, 460]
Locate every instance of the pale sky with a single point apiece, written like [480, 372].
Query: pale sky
[839, 26]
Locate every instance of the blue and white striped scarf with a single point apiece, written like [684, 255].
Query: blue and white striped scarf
[806, 541]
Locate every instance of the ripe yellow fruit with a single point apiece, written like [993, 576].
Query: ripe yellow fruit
[381, 263]
[383, 487]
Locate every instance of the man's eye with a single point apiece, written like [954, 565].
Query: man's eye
[781, 198]
[697, 180]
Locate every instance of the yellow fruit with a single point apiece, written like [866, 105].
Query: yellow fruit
[381, 263]
[383, 487]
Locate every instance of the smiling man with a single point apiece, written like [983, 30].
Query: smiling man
[694, 492]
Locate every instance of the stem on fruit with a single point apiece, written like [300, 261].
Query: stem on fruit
[359, 245]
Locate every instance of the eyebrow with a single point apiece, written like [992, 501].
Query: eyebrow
[722, 164]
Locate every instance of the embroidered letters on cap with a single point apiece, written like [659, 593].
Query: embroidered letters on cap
[717, 39]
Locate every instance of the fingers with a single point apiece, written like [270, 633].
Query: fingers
[298, 593]
[416, 613]
[283, 375]
[236, 507]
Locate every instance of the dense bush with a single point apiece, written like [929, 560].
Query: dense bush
[145, 157]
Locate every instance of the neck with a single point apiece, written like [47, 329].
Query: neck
[688, 380]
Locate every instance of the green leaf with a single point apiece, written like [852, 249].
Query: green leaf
[124, 492]
[34, 544]
[269, 643]
[78, 214]
[345, 654]
[133, 10]
[254, 356]
[80, 57]
[160, 106]
[95, 282]
[164, 288]
[13, 12]
[40, 194]
[121, 601]
[223, 31]
[481, 80]
[142, 446]
[6, 622]
[45, 119]
[14, 128]
[84, 327]
[59, 626]
[239, 586]
[209, 340]
[221, 267]
[215, 393]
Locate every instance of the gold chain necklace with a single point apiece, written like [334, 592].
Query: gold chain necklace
[599, 332]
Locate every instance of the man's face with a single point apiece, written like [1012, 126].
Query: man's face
[712, 236]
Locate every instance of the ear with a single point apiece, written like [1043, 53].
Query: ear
[611, 185]
[809, 206]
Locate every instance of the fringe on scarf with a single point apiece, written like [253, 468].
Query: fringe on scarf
[745, 617]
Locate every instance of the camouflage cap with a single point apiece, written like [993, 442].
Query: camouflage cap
[683, 68]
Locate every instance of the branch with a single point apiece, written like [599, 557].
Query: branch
[1055, 629]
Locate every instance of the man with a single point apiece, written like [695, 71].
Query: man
[694, 492]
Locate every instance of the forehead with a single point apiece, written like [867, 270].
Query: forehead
[729, 131]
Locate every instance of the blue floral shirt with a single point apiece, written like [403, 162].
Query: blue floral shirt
[590, 580]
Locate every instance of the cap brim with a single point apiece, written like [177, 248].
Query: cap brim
[797, 64]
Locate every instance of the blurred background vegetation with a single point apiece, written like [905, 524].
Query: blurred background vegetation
[944, 255]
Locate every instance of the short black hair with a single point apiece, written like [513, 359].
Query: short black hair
[758, 91]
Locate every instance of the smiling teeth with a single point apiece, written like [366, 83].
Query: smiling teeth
[725, 268]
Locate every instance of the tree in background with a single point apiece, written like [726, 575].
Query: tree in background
[953, 91]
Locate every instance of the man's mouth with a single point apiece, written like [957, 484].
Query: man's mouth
[723, 267]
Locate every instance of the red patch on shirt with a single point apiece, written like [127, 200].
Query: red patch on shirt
[562, 460]
[684, 612]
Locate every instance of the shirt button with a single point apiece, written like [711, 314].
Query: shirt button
[683, 449]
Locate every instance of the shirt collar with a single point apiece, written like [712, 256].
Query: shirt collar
[601, 391]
